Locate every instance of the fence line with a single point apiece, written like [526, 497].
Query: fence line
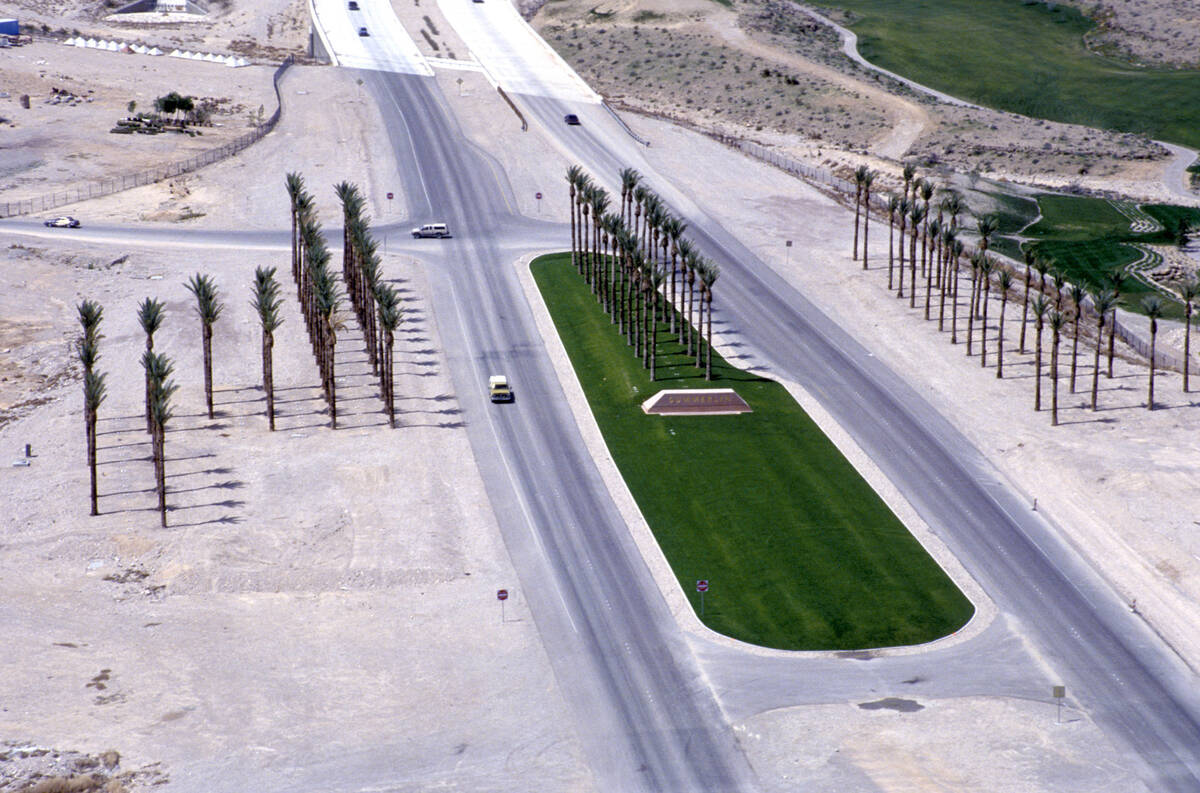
[115, 184]
[1169, 359]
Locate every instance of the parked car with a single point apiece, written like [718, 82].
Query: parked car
[438, 230]
[363, 32]
[353, 5]
[64, 222]
[571, 119]
[498, 389]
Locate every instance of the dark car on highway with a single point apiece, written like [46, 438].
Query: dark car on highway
[63, 222]
[572, 119]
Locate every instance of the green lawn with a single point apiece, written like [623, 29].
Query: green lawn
[1074, 217]
[1026, 57]
[800, 552]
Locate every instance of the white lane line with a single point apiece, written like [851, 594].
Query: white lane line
[512, 54]
[504, 457]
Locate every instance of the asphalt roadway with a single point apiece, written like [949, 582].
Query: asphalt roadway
[652, 706]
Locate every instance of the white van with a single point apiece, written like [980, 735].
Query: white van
[437, 230]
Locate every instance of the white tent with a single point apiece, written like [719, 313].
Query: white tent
[176, 54]
[70, 42]
[79, 42]
[154, 51]
[111, 46]
[211, 58]
[90, 43]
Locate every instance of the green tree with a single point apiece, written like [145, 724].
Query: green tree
[986, 266]
[916, 213]
[1057, 321]
[150, 317]
[868, 180]
[1188, 292]
[892, 205]
[1040, 306]
[390, 314]
[1103, 301]
[158, 372]
[1117, 279]
[208, 309]
[902, 209]
[266, 303]
[1030, 260]
[860, 175]
[1077, 294]
[708, 277]
[1005, 281]
[1153, 306]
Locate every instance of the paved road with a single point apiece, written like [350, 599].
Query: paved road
[645, 716]
[1128, 680]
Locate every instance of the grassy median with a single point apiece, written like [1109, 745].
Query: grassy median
[799, 551]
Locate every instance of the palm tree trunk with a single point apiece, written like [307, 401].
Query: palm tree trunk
[954, 299]
[1000, 337]
[912, 269]
[983, 323]
[388, 386]
[1187, 346]
[89, 421]
[653, 333]
[158, 446]
[1037, 364]
[857, 202]
[928, 290]
[1112, 332]
[1054, 380]
[208, 388]
[866, 224]
[1075, 349]
[269, 377]
[1153, 340]
[891, 250]
[708, 346]
[1096, 360]
[900, 261]
[1025, 306]
[971, 308]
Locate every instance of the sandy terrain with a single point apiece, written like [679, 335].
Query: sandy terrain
[302, 606]
[1153, 32]
[768, 73]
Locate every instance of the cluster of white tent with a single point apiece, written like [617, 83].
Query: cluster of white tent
[138, 49]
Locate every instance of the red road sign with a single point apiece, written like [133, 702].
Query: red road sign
[539, 196]
[501, 594]
[702, 585]
[389, 196]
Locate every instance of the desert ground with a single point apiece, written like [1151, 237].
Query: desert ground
[317, 589]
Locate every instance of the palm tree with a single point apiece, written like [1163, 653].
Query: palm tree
[150, 317]
[1153, 307]
[1004, 281]
[598, 201]
[158, 371]
[295, 188]
[1057, 320]
[208, 308]
[892, 205]
[1040, 306]
[1030, 260]
[629, 181]
[93, 396]
[266, 303]
[1189, 290]
[860, 175]
[1102, 301]
[916, 213]
[985, 278]
[949, 237]
[693, 261]
[655, 280]
[390, 313]
[953, 206]
[674, 230]
[909, 171]
[955, 256]
[926, 189]
[708, 277]
[934, 230]
[902, 209]
[977, 260]
[868, 180]
[574, 175]
[1117, 279]
[1077, 295]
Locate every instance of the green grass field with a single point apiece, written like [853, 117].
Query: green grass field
[1025, 57]
[1073, 217]
[800, 552]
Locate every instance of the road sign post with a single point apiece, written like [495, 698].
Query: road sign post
[502, 595]
[787, 253]
[1058, 693]
[702, 587]
[538, 196]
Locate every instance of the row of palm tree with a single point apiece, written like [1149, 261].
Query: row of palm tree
[641, 267]
[941, 254]
[88, 349]
[266, 302]
[316, 287]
